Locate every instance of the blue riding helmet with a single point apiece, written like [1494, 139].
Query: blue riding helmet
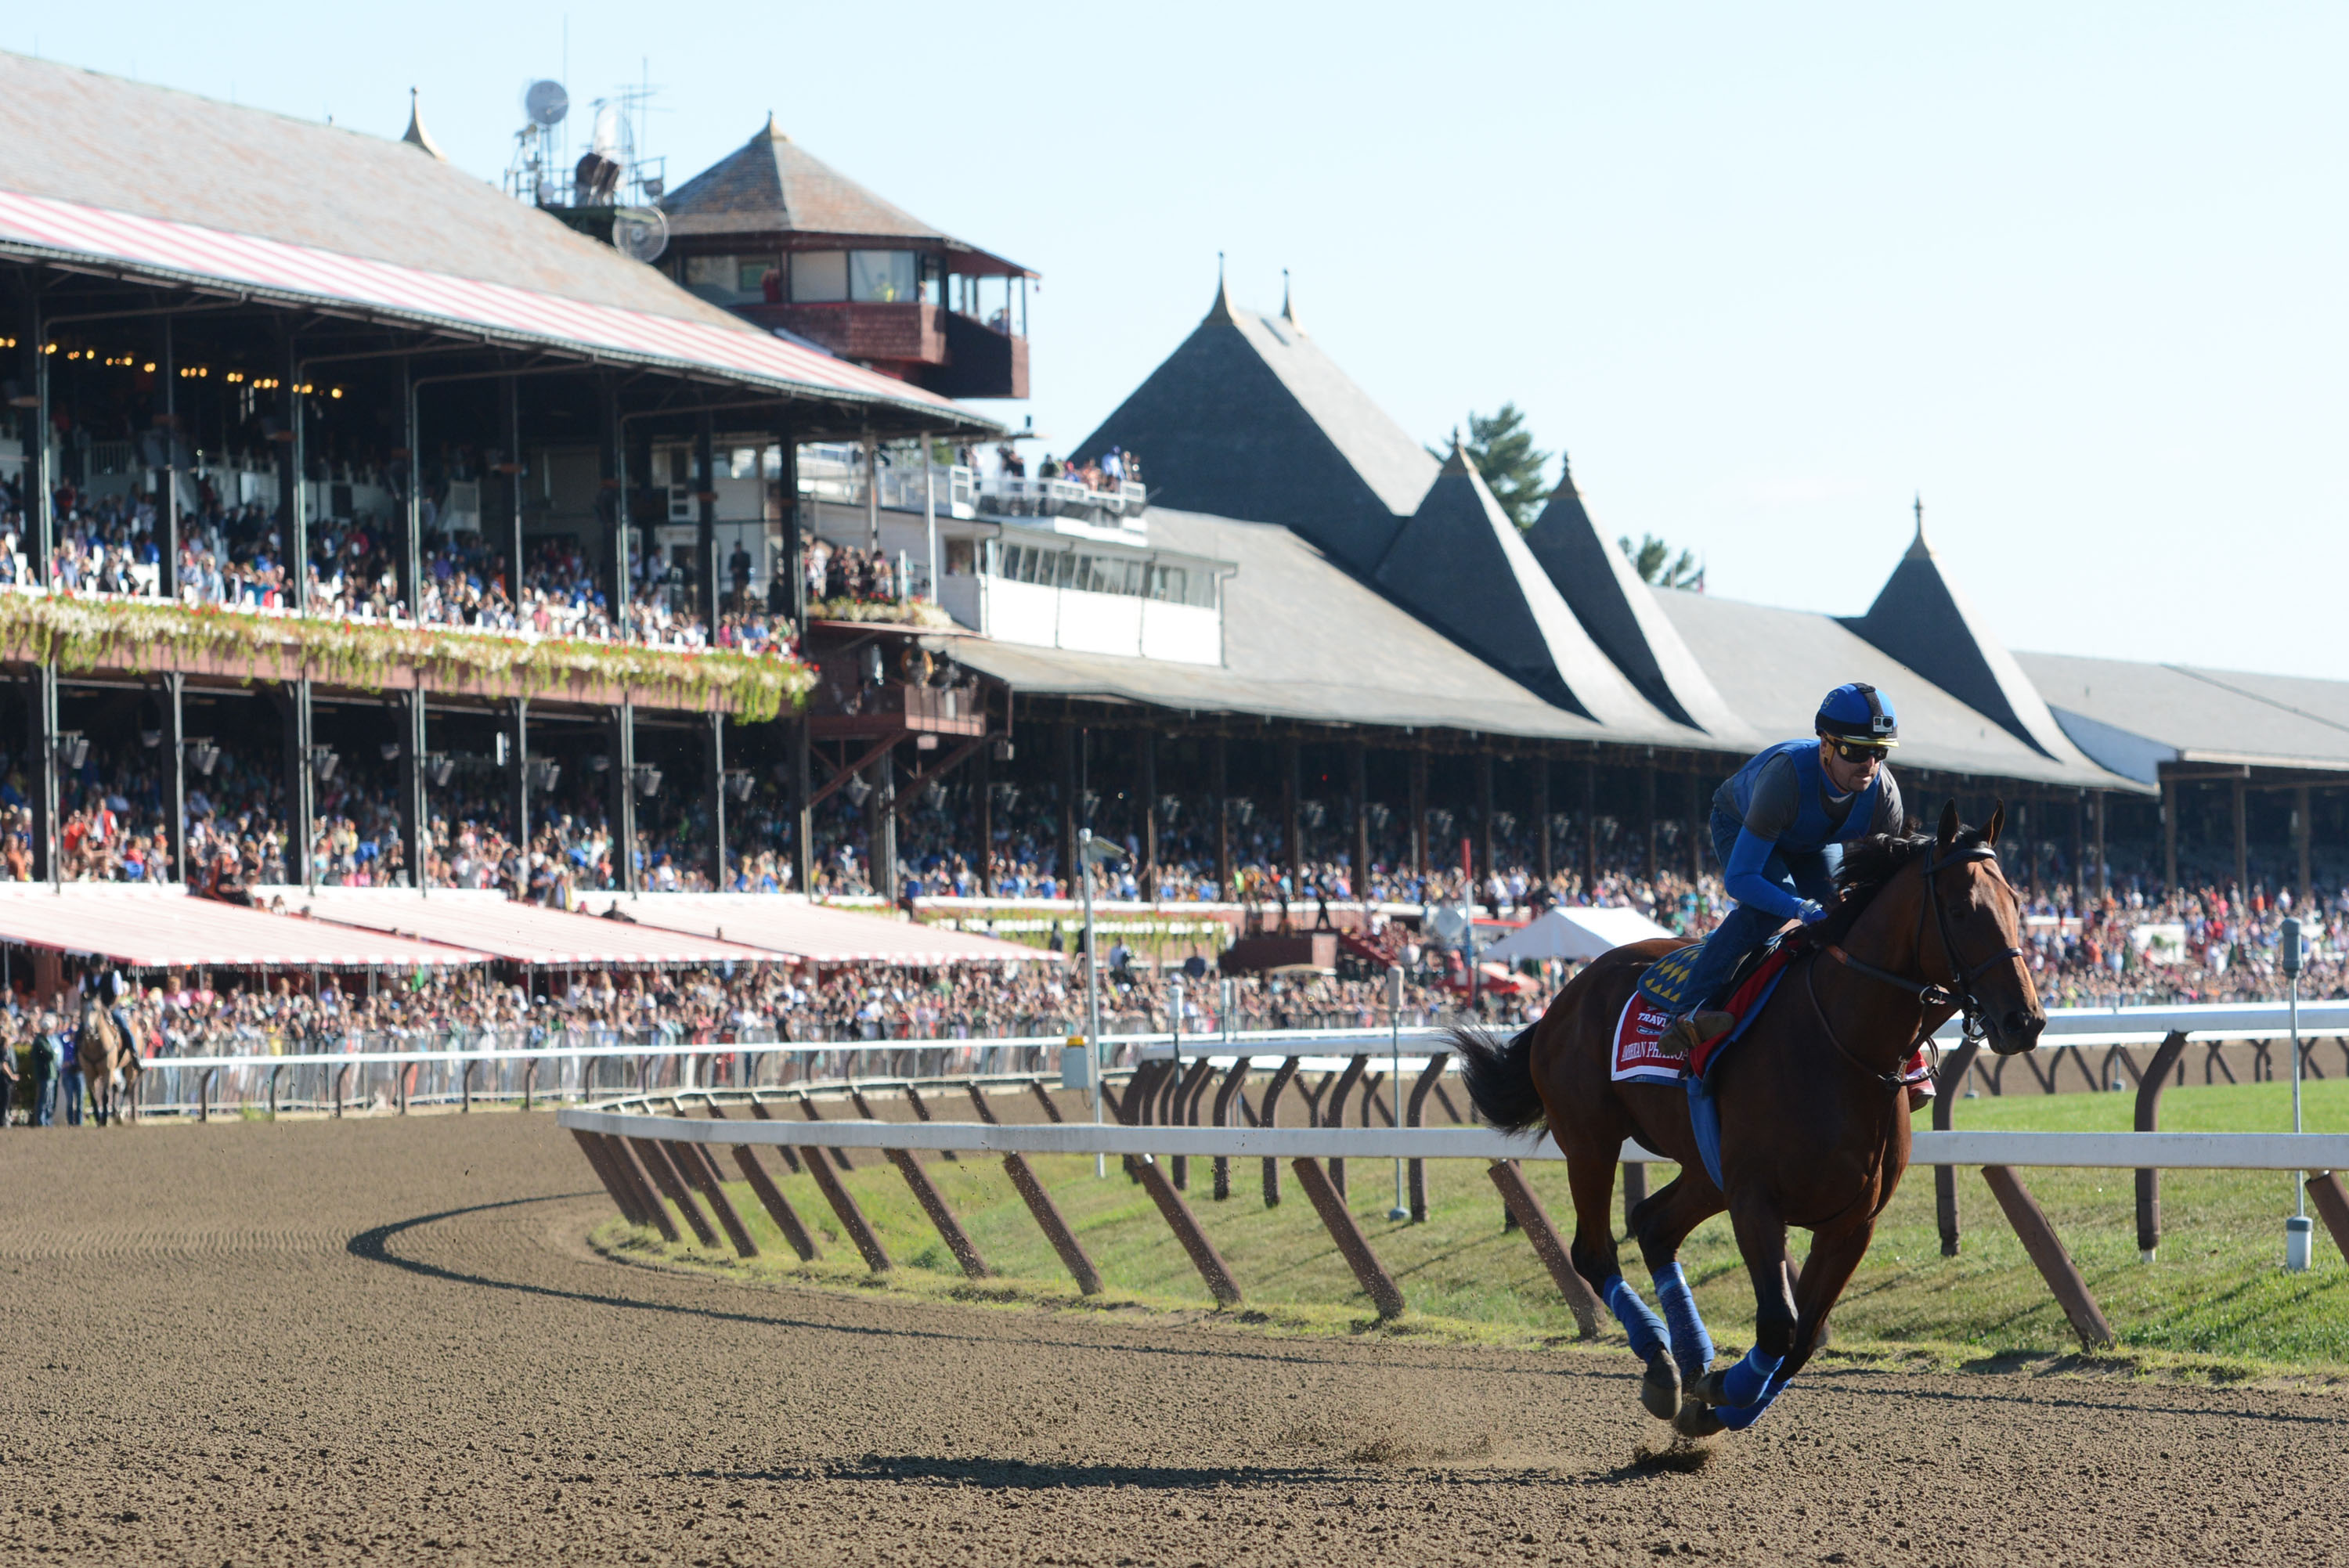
[1857, 711]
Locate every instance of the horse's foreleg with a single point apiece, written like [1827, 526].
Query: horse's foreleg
[1744, 1389]
[1834, 1259]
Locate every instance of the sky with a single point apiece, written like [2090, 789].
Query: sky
[2073, 275]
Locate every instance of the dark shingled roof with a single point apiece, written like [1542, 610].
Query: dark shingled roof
[1622, 616]
[771, 185]
[1248, 419]
[1461, 565]
[77, 136]
[1922, 619]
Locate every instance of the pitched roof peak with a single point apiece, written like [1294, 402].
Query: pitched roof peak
[1221, 311]
[1917, 548]
[1459, 462]
[416, 135]
[773, 133]
[1287, 305]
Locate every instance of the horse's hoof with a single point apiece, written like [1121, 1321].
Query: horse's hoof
[1709, 1388]
[1697, 1420]
[1660, 1391]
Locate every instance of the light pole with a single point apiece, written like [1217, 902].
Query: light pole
[2296, 1229]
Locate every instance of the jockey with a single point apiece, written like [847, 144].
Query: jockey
[1777, 825]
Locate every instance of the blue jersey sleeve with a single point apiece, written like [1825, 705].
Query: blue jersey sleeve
[1748, 883]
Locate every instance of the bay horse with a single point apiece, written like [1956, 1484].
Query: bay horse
[1814, 1118]
[109, 1063]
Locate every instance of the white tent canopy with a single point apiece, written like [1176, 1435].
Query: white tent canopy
[1574, 932]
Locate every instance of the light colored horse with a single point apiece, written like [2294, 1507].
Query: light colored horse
[109, 1067]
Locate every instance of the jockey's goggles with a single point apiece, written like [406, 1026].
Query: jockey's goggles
[1861, 750]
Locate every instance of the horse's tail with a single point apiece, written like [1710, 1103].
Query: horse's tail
[1500, 1077]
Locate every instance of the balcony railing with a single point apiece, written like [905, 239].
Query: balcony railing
[834, 471]
[1121, 506]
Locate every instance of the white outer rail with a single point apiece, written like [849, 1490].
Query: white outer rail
[2099, 1150]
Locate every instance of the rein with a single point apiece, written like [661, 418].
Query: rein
[1929, 994]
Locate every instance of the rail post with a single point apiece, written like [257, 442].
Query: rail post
[272, 1092]
[528, 1080]
[622, 1198]
[2046, 1249]
[770, 1198]
[1056, 1229]
[816, 1152]
[1416, 1116]
[1225, 1093]
[204, 1093]
[934, 1205]
[465, 1089]
[1330, 1204]
[852, 1218]
[634, 1174]
[702, 1171]
[1534, 1220]
[1185, 1226]
[1270, 1117]
[1334, 1113]
[2149, 1119]
[2332, 1204]
[1945, 1177]
[666, 1175]
[341, 1073]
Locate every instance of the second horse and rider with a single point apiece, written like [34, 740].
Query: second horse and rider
[1781, 1112]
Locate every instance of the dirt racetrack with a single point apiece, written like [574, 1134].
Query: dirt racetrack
[314, 1342]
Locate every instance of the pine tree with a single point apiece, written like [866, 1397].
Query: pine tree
[1652, 559]
[1503, 449]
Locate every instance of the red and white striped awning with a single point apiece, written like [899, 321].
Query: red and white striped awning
[163, 928]
[184, 253]
[819, 934]
[519, 932]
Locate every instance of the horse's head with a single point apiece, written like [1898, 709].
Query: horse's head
[1976, 934]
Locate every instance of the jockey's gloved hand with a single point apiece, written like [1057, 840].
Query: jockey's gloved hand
[1813, 912]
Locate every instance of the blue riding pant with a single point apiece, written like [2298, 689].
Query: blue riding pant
[1806, 873]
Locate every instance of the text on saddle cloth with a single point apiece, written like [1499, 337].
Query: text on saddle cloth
[1637, 1058]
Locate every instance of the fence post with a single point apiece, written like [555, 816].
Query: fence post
[1183, 1108]
[204, 1093]
[816, 1152]
[934, 1205]
[1056, 1229]
[1534, 1220]
[341, 1073]
[272, 1092]
[1225, 1093]
[2046, 1249]
[770, 1198]
[1330, 1204]
[672, 1184]
[2149, 1119]
[1334, 1113]
[1185, 1226]
[633, 1174]
[1945, 1177]
[2332, 1204]
[465, 1090]
[922, 1112]
[1415, 1114]
[528, 1080]
[622, 1198]
[1270, 1117]
[852, 1218]
[702, 1171]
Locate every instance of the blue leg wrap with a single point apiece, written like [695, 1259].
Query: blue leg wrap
[1646, 1329]
[1691, 1346]
[1751, 1378]
[1738, 1417]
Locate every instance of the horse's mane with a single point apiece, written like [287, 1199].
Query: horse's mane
[1872, 863]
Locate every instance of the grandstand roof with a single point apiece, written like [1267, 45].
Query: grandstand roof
[165, 928]
[149, 183]
[784, 924]
[1773, 666]
[1305, 640]
[2133, 716]
[1921, 618]
[771, 185]
[1621, 613]
[521, 932]
[1248, 419]
[1462, 566]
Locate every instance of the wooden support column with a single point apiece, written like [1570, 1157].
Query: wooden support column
[982, 784]
[1699, 819]
[1146, 763]
[41, 714]
[2096, 809]
[672, 1184]
[1064, 742]
[1292, 836]
[1545, 852]
[517, 718]
[1056, 1229]
[301, 780]
[1219, 768]
[624, 796]
[1648, 790]
[1185, 1226]
[1330, 1204]
[2046, 1249]
[1590, 827]
[2300, 836]
[2170, 834]
[1419, 861]
[707, 597]
[175, 769]
[1486, 865]
[934, 1205]
[2237, 789]
[1358, 785]
[1526, 1207]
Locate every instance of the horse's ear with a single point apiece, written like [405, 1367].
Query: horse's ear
[1948, 832]
[1997, 823]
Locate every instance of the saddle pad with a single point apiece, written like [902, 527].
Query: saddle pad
[1637, 1059]
[1746, 1004]
[1665, 984]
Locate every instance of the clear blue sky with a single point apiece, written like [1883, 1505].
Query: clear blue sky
[2075, 273]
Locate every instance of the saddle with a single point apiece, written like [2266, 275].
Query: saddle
[1639, 1059]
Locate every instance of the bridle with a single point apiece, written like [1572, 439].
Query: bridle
[1974, 1027]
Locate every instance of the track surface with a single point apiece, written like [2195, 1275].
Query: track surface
[313, 1342]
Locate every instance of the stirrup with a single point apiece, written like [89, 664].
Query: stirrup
[1690, 1030]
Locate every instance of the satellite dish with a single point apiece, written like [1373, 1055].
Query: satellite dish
[545, 102]
[639, 233]
[1449, 925]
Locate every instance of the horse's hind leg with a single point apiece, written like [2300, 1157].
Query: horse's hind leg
[1661, 1224]
[1590, 1174]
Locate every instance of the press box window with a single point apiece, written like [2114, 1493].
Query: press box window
[819, 277]
[882, 277]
